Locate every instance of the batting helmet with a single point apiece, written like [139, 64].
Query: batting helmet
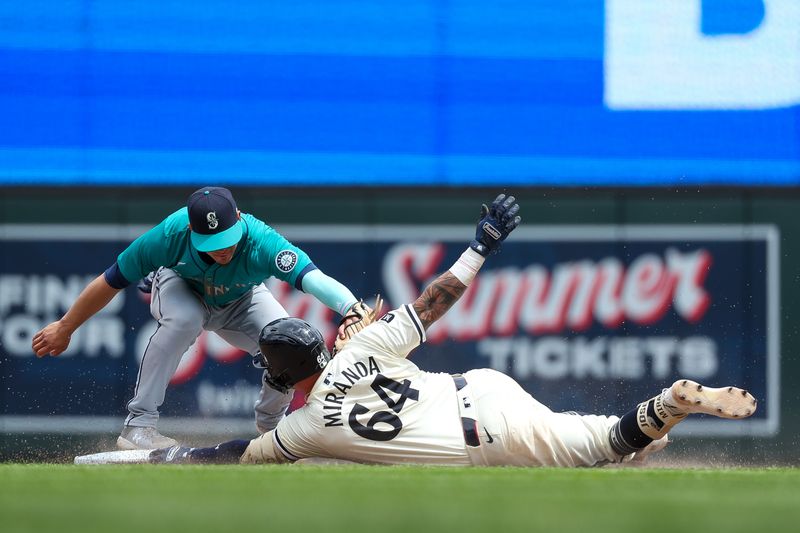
[291, 350]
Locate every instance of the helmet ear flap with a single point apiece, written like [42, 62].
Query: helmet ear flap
[260, 361]
[275, 384]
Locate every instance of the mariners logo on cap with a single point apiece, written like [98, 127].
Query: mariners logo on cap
[212, 220]
[286, 260]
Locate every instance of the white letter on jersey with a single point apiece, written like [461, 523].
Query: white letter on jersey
[657, 58]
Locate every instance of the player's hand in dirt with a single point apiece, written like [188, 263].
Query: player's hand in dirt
[53, 339]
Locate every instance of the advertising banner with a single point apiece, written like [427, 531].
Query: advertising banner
[594, 319]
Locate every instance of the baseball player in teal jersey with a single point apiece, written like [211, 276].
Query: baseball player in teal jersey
[209, 263]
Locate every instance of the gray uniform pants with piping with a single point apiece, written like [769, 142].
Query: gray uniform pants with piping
[182, 315]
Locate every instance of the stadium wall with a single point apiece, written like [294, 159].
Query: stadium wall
[746, 240]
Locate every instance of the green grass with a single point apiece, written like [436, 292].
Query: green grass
[328, 499]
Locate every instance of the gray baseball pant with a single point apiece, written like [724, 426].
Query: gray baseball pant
[182, 314]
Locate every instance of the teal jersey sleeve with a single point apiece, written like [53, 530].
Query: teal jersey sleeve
[160, 246]
[328, 291]
[274, 255]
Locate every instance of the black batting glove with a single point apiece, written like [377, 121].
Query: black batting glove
[494, 225]
[178, 455]
[225, 453]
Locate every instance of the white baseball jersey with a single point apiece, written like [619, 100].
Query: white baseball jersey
[371, 404]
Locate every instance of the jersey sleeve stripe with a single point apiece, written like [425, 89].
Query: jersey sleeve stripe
[417, 323]
[286, 453]
[298, 283]
[114, 277]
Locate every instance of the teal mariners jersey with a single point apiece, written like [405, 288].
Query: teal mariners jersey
[261, 253]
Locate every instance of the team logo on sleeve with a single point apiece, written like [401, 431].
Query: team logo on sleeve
[388, 317]
[286, 260]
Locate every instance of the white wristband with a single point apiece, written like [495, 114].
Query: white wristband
[467, 266]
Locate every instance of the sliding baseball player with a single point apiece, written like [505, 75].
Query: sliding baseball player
[370, 404]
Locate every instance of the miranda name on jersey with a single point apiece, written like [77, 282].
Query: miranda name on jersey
[333, 402]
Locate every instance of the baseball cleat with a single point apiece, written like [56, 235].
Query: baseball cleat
[725, 402]
[142, 438]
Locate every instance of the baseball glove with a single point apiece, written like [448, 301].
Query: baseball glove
[359, 316]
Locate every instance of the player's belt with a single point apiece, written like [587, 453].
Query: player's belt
[467, 410]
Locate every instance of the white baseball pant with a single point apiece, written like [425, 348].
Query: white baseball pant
[515, 429]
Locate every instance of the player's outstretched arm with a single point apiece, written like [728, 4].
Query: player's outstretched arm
[437, 298]
[229, 452]
[260, 450]
[494, 225]
[54, 338]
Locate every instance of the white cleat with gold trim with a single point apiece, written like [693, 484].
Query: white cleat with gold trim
[724, 402]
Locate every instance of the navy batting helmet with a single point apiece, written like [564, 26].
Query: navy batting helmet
[291, 350]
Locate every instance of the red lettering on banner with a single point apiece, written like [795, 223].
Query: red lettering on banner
[579, 314]
[608, 302]
[569, 296]
[545, 310]
[691, 300]
[647, 291]
[511, 290]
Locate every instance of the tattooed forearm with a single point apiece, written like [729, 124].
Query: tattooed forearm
[438, 297]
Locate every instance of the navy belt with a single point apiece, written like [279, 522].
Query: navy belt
[469, 425]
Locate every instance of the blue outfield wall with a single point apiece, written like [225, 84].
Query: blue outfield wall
[425, 92]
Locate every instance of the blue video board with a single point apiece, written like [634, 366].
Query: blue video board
[422, 92]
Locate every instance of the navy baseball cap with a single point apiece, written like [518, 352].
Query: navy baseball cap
[214, 219]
